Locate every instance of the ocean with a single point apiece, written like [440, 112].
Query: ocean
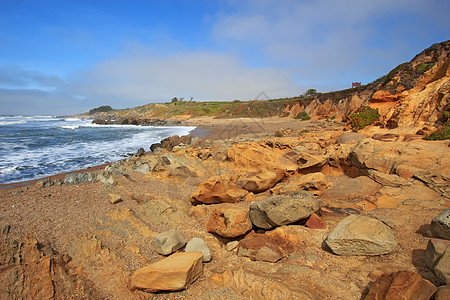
[38, 146]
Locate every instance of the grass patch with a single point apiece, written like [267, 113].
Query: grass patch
[443, 133]
[302, 116]
[363, 117]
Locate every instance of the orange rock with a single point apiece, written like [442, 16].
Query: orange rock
[229, 221]
[259, 181]
[315, 222]
[401, 285]
[173, 273]
[404, 172]
[218, 189]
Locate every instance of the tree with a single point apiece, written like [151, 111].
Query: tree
[174, 99]
[311, 92]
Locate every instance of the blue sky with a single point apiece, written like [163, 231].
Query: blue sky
[64, 57]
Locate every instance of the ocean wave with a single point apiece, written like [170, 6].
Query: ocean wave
[70, 127]
[72, 119]
[3, 123]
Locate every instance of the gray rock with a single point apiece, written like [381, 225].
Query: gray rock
[442, 267]
[76, 178]
[440, 226]
[360, 235]
[435, 250]
[168, 242]
[198, 244]
[351, 138]
[283, 209]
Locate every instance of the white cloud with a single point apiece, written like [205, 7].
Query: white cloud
[140, 76]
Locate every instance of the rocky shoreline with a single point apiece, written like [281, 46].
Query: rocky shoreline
[253, 208]
[316, 213]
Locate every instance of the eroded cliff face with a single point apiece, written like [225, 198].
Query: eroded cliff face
[415, 93]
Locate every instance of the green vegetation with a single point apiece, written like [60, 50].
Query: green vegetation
[423, 67]
[302, 116]
[363, 117]
[443, 133]
[104, 108]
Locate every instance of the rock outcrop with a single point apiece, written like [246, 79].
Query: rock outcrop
[229, 221]
[279, 210]
[173, 273]
[360, 235]
[440, 226]
[401, 285]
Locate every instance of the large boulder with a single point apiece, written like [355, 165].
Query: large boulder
[229, 221]
[279, 210]
[360, 235]
[259, 181]
[401, 285]
[168, 242]
[440, 226]
[351, 138]
[173, 273]
[198, 244]
[217, 189]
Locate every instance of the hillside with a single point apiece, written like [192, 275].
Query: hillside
[413, 94]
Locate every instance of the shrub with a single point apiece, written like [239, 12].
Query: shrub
[363, 117]
[104, 108]
[423, 67]
[302, 116]
[443, 133]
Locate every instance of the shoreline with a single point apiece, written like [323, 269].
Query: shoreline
[207, 128]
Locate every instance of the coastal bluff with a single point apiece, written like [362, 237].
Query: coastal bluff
[256, 208]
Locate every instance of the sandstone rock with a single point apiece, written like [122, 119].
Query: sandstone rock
[305, 161]
[387, 179]
[443, 293]
[315, 222]
[217, 189]
[388, 137]
[258, 247]
[173, 273]
[360, 235]
[168, 242]
[272, 245]
[401, 285]
[442, 267]
[279, 210]
[353, 188]
[259, 181]
[435, 249]
[369, 154]
[440, 226]
[114, 198]
[351, 138]
[198, 244]
[231, 245]
[229, 221]
[310, 182]
[313, 181]
[267, 155]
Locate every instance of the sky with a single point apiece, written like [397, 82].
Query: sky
[65, 57]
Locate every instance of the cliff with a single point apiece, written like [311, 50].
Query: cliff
[413, 94]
